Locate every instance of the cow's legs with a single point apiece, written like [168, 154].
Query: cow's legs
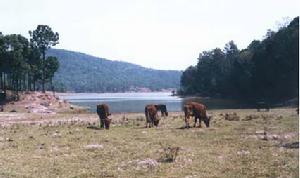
[187, 122]
[148, 124]
[200, 122]
[106, 123]
[148, 120]
[155, 120]
[101, 123]
[195, 122]
[151, 123]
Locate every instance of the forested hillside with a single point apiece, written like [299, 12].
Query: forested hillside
[80, 72]
[266, 70]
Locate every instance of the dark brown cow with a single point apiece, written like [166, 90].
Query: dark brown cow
[197, 110]
[103, 113]
[151, 114]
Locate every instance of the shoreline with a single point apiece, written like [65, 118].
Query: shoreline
[72, 93]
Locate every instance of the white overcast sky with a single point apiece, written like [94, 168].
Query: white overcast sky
[161, 34]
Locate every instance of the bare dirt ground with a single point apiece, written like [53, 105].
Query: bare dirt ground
[38, 102]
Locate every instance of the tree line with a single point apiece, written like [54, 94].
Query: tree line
[24, 65]
[266, 70]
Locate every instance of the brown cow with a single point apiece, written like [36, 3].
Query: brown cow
[151, 114]
[103, 113]
[197, 110]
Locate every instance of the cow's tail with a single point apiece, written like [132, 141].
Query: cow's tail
[147, 116]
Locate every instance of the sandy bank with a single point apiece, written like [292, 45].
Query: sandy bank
[38, 102]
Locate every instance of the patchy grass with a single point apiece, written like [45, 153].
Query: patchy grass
[250, 147]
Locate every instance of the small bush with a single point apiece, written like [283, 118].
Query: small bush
[232, 117]
[169, 154]
[251, 117]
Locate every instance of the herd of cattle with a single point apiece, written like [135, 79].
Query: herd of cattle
[191, 109]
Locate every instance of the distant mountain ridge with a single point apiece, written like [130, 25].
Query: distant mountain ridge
[79, 72]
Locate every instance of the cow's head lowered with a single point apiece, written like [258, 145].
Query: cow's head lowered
[207, 120]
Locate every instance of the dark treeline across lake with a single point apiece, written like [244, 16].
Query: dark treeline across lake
[135, 102]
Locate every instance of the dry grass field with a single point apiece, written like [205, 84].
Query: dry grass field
[245, 144]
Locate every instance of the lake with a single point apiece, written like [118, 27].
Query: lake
[135, 102]
[123, 102]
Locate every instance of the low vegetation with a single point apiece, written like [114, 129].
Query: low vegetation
[257, 144]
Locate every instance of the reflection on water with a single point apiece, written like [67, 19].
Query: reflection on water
[135, 102]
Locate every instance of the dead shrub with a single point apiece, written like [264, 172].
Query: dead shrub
[267, 116]
[125, 121]
[251, 117]
[140, 118]
[231, 117]
[169, 154]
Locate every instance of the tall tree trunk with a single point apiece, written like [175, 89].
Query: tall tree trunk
[33, 83]
[28, 81]
[24, 83]
[17, 90]
[11, 84]
[4, 83]
[52, 87]
[43, 73]
[22, 86]
[1, 81]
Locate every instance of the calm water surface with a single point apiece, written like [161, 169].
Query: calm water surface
[123, 102]
[135, 102]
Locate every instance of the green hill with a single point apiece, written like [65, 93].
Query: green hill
[80, 72]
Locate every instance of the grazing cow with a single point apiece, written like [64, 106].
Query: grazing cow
[103, 113]
[151, 114]
[198, 111]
